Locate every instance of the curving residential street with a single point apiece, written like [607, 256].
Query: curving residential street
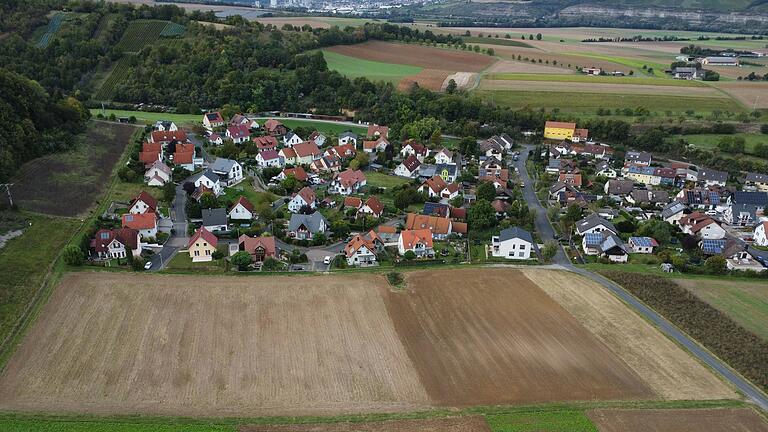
[546, 232]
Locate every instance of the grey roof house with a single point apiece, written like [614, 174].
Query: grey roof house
[215, 219]
[303, 227]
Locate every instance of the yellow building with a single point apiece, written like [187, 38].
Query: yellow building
[559, 130]
[202, 245]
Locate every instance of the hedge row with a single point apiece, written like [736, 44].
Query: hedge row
[740, 348]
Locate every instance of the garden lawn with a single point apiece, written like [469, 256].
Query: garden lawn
[588, 103]
[245, 189]
[182, 263]
[149, 117]
[709, 141]
[375, 71]
[377, 179]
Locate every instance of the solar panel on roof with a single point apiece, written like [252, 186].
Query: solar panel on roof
[642, 241]
[594, 238]
[714, 198]
[713, 246]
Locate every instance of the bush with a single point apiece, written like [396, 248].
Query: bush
[73, 255]
[395, 279]
[741, 349]
[242, 260]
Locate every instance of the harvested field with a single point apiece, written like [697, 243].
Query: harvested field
[298, 22]
[208, 346]
[751, 94]
[667, 369]
[585, 87]
[511, 53]
[416, 55]
[449, 424]
[509, 66]
[67, 184]
[427, 78]
[674, 420]
[463, 80]
[490, 336]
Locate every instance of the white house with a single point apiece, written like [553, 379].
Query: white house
[701, 225]
[305, 197]
[215, 219]
[408, 168]
[238, 133]
[144, 223]
[213, 120]
[158, 174]
[269, 158]
[348, 138]
[418, 241]
[166, 126]
[347, 182]
[143, 203]
[230, 171]
[594, 224]
[444, 156]
[643, 245]
[209, 179]
[241, 210]
[513, 243]
[215, 139]
[291, 139]
[414, 149]
[111, 244]
[361, 249]
[603, 169]
[761, 234]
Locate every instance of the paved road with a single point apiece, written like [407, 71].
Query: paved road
[178, 239]
[543, 227]
[546, 232]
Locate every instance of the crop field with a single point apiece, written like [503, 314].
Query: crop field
[495, 41]
[67, 184]
[594, 79]
[588, 103]
[602, 88]
[120, 71]
[671, 420]
[751, 94]
[744, 302]
[667, 369]
[139, 34]
[404, 63]
[50, 31]
[111, 343]
[445, 424]
[354, 67]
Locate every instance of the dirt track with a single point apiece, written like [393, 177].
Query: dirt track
[417, 55]
[490, 336]
[692, 420]
[670, 372]
[451, 424]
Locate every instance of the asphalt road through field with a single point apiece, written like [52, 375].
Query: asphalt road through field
[546, 232]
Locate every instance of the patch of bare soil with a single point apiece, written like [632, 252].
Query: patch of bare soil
[671, 372]
[678, 420]
[448, 424]
[68, 184]
[491, 336]
[428, 78]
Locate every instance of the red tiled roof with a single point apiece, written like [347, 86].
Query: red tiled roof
[560, 125]
[168, 136]
[183, 158]
[250, 244]
[307, 194]
[265, 142]
[308, 148]
[244, 202]
[382, 130]
[411, 237]
[140, 221]
[271, 124]
[127, 236]
[148, 199]
[349, 178]
[435, 183]
[437, 225]
[151, 147]
[204, 234]
[149, 157]
[411, 163]
[374, 204]
[354, 202]
[297, 172]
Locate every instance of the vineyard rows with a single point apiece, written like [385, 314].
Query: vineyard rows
[118, 74]
[139, 34]
[51, 30]
[172, 29]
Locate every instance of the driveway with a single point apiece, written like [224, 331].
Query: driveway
[178, 239]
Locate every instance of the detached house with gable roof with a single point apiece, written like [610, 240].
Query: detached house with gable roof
[348, 138]
[513, 243]
[291, 139]
[115, 244]
[144, 223]
[213, 120]
[709, 177]
[202, 245]
[241, 210]
[372, 206]
[745, 208]
[210, 180]
[238, 133]
[376, 131]
[408, 168]
[347, 182]
[260, 248]
[412, 148]
[305, 197]
[361, 250]
[143, 203]
[418, 241]
[304, 227]
[230, 171]
[755, 182]
[269, 158]
[158, 174]
[594, 224]
[275, 128]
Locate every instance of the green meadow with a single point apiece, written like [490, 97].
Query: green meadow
[375, 71]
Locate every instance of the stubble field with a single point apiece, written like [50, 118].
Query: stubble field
[448, 424]
[226, 346]
[671, 420]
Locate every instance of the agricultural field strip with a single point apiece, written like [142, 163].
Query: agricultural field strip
[691, 420]
[416, 55]
[593, 79]
[669, 371]
[354, 67]
[586, 87]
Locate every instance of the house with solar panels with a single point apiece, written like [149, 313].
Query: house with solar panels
[643, 245]
[605, 245]
[746, 208]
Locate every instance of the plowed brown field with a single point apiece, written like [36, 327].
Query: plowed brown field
[689, 420]
[491, 336]
[208, 346]
[417, 55]
[451, 424]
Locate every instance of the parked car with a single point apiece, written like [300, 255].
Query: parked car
[327, 260]
[148, 265]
